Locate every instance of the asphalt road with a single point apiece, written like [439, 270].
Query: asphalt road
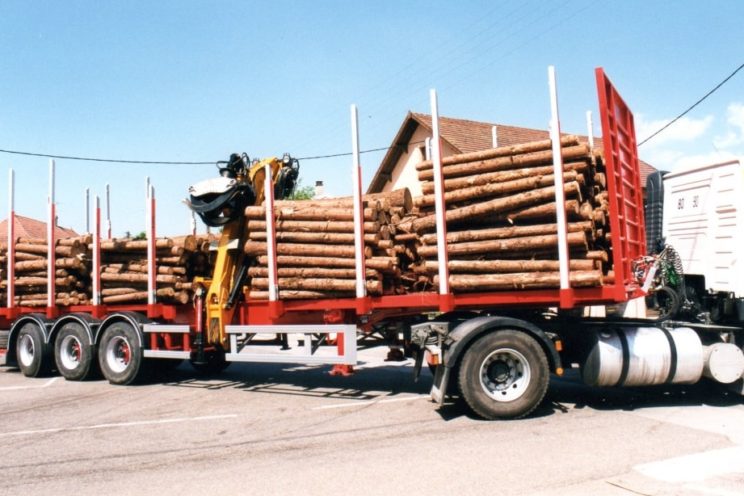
[270, 429]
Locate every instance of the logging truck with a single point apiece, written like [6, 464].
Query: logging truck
[486, 277]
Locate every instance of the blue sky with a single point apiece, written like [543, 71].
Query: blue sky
[196, 81]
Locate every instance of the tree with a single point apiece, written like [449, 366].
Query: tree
[302, 192]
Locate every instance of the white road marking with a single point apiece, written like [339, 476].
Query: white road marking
[696, 467]
[19, 388]
[369, 402]
[118, 425]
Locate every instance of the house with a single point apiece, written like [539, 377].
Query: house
[398, 167]
[26, 227]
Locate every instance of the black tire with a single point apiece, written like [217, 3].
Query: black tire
[668, 303]
[73, 353]
[120, 354]
[32, 353]
[504, 375]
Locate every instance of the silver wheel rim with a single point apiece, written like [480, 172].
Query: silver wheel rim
[26, 350]
[118, 354]
[70, 352]
[505, 374]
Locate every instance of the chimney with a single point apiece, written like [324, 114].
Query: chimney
[319, 189]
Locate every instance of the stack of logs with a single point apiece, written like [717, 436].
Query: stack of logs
[178, 261]
[72, 283]
[501, 219]
[315, 246]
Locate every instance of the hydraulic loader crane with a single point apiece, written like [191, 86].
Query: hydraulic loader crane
[220, 202]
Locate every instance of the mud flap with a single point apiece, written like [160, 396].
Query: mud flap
[439, 386]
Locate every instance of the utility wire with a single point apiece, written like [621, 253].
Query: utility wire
[693, 105]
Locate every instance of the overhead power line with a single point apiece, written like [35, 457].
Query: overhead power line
[694, 104]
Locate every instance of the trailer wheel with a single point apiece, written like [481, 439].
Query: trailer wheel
[504, 375]
[32, 352]
[72, 353]
[120, 354]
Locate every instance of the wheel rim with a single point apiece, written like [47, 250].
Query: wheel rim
[118, 354]
[26, 350]
[70, 352]
[505, 374]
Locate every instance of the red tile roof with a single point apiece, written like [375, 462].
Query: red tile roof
[26, 227]
[466, 136]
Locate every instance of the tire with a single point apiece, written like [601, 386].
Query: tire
[668, 303]
[73, 353]
[120, 354]
[32, 352]
[504, 375]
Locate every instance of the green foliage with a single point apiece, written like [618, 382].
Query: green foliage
[141, 235]
[302, 192]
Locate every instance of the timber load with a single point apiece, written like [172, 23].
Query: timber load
[501, 219]
[315, 246]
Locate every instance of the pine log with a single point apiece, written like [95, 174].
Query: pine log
[502, 151]
[310, 213]
[63, 251]
[293, 294]
[316, 226]
[400, 198]
[137, 277]
[495, 206]
[505, 232]
[41, 264]
[21, 256]
[72, 242]
[494, 189]
[141, 268]
[544, 211]
[384, 264]
[314, 238]
[597, 255]
[176, 297]
[506, 266]
[134, 244]
[256, 248]
[312, 272]
[522, 280]
[325, 284]
[569, 154]
[498, 246]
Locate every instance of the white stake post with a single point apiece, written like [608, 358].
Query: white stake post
[51, 255]
[427, 149]
[151, 268]
[108, 211]
[97, 251]
[439, 205]
[494, 137]
[270, 234]
[87, 210]
[560, 199]
[590, 129]
[356, 174]
[11, 239]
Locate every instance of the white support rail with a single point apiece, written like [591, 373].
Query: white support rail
[87, 211]
[151, 237]
[590, 129]
[97, 251]
[51, 253]
[427, 148]
[11, 239]
[270, 234]
[361, 276]
[494, 137]
[439, 204]
[560, 197]
[244, 349]
[108, 211]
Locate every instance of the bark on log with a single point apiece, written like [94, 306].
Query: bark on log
[310, 213]
[569, 154]
[523, 280]
[63, 251]
[41, 264]
[134, 244]
[373, 287]
[505, 232]
[312, 272]
[257, 248]
[502, 151]
[313, 238]
[318, 226]
[498, 246]
[293, 294]
[507, 266]
[544, 211]
[136, 277]
[383, 264]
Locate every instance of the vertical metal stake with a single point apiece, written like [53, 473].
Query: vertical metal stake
[11, 239]
[560, 198]
[439, 204]
[590, 129]
[356, 174]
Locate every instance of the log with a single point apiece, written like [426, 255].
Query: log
[312, 272]
[505, 232]
[503, 176]
[317, 226]
[506, 266]
[498, 246]
[310, 213]
[72, 242]
[325, 284]
[136, 277]
[569, 154]
[495, 206]
[543, 211]
[384, 264]
[522, 280]
[178, 297]
[63, 251]
[400, 198]
[494, 189]
[293, 294]
[313, 238]
[41, 264]
[141, 268]
[502, 151]
[257, 248]
[134, 244]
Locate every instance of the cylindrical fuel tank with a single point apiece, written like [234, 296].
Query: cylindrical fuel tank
[724, 362]
[643, 356]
